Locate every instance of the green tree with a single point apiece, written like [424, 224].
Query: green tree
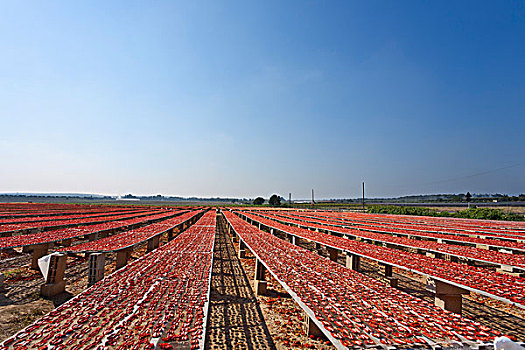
[258, 201]
[275, 200]
[468, 196]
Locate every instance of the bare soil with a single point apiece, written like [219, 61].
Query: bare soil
[21, 303]
[235, 317]
[284, 318]
[507, 319]
[239, 319]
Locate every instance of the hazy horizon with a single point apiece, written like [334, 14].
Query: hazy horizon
[237, 99]
[266, 196]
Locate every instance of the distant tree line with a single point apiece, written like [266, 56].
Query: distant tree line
[442, 198]
[274, 201]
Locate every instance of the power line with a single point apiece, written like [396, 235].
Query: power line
[471, 175]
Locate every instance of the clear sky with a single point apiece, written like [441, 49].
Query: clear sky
[247, 98]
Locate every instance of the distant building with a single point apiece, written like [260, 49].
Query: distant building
[120, 198]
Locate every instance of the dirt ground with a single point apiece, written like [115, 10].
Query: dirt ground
[235, 318]
[505, 318]
[241, 320]
[510, 320]
[285, 319]
[21, 303]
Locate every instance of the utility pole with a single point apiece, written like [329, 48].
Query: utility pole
[363, 196]
[290, 199]
[313, 201]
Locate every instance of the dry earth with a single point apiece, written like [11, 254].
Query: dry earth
[21, 303]
[241, 320]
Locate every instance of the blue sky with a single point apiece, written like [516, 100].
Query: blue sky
[245, 98]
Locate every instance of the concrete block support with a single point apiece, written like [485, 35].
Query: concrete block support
[353, 261]
[260, 271]
[55, 283]
[96, 267]
[448, 296]
[122, 257]
[509, 270]
[242, 253]
[260, 284]
[388, 270]
[153, 243]
[170, 235]
[242, 245]
[260, 287]
[333, 253]
[394, 282]
[312, 329]
[39, 250]
[242, 250]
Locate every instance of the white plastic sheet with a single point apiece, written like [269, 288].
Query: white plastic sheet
[504, 343]
[43, 264]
